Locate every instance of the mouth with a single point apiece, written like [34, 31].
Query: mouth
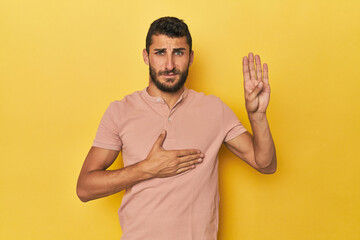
[170, 75]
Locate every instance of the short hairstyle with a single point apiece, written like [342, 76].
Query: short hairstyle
[171, 27]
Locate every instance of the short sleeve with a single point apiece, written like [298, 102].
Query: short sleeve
[231, 125]
[107, 135]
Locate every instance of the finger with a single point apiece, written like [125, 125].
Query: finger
[258, 67]
[184, 169]
[190, 163]
[265, 77]
[246, 71]
[190, 157]
[181, 153]
[159, 142]
[252, 67]
[256, 91]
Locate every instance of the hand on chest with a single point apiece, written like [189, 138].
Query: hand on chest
[195, 129]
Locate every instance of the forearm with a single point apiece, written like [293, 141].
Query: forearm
[264, 148]
[100, 183]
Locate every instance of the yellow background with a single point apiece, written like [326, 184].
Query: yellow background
[63, 62]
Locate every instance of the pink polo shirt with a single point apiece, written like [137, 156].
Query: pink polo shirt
[185, 206]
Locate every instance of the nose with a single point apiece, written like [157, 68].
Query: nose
[170, 65]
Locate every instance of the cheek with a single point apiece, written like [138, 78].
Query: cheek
[156, 62]
[183, 61]
[183, 65]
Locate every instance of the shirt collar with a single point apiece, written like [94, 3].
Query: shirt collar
[149, 98]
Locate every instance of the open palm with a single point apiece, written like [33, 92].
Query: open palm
[256, 85]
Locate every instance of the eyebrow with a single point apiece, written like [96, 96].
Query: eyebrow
[175, 49]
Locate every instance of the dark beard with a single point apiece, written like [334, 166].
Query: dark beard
[164, 87]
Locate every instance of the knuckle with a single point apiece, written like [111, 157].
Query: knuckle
[193, 157]
[173, 164]
[173, 154]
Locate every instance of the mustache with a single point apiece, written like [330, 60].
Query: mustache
[167, 72]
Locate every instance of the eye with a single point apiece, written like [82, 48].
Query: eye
[179, 53]
[159, 53]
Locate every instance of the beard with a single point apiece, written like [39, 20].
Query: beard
[163, 86]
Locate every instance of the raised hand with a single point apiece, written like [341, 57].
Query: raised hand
[256, 85]
[162, 163]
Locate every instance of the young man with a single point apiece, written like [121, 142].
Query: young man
[169, 137]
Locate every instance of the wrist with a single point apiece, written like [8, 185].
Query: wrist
[144, 170]
[257, 116]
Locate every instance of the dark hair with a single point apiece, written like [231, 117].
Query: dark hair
[171, 27]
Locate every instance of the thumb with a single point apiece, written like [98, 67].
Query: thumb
[256, 90]
[159, 142]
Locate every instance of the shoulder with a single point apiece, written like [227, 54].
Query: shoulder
[128, 100]
[203, 99]
[117, 109]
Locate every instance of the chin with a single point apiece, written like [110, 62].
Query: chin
[171, 79]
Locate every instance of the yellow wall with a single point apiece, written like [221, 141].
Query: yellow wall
[63, 62]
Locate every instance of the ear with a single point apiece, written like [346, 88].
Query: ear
[145, 56]
[191, 57]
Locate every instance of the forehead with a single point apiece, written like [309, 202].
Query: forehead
[163, 41]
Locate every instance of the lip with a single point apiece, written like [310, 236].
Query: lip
[170, 75]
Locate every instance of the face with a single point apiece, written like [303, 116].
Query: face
[169, 60]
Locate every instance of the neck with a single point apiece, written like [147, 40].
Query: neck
[170, 98]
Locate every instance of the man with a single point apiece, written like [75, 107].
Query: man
[169, 137]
